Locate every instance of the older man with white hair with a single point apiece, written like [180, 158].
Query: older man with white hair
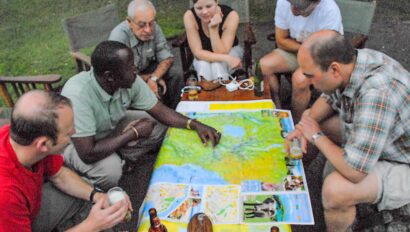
[152, 55]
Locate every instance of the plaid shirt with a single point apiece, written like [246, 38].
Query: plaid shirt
[375, 111]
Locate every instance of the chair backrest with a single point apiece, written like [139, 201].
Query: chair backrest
[357, 16]
[12, 88]
[90, 28]
[240, 6]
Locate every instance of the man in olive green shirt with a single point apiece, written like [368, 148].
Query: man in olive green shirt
[108, 127]
[152, 55]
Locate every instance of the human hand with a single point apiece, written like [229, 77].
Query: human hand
[234, 62]
[216, 19]
[101, 196]
[127, 199]
[154, 87]
[143, 126]
[308, 126]
[164, 86]
[206, 133]
[296, 134]
[102, 218]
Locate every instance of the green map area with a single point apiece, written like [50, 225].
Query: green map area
[250, 148]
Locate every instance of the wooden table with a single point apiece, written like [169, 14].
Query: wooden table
[221, 94]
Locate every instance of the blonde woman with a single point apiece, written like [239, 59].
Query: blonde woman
[211, 31]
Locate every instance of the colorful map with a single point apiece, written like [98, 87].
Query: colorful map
[246, 183]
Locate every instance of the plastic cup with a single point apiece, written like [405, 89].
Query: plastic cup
[193, 94]
[296, 149]
[115, 195]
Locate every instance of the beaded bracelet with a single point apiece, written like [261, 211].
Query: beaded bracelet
[135, 131]
[188, 124]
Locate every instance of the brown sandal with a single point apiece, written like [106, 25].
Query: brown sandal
[210, 85]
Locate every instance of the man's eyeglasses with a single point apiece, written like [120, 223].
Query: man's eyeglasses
[142, 25]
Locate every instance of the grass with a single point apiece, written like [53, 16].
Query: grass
[33, 40]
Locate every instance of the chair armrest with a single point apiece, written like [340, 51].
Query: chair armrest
[82, 57]
[179, 40]
[20, 84]
[359, 41]
[271, 36]
[248, 34]
[40, 79]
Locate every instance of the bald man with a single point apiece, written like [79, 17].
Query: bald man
[152, 55]
[41, 126]
[366, 101]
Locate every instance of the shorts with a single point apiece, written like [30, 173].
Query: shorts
[393, 184]
[290, 58]
[214, 70]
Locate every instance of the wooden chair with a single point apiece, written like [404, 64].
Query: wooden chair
[12, 88]
[245, 34]
[357, 18]
[88, 30]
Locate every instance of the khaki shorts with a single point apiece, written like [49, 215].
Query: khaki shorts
[290, 58]
[393, 184]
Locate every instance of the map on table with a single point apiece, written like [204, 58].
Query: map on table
[246, 183]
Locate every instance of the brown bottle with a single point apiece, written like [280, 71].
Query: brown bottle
[156, 225]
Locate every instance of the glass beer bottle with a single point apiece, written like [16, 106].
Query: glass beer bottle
[258, 80]
[155, 222]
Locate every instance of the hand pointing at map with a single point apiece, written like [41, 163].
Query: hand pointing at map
[206, 133]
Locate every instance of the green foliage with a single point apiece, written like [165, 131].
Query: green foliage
[33, 40]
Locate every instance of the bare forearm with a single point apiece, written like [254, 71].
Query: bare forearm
[103, 148]
[163, 67]
[70, 183]
[335, 155]
[321, 110]
[288, 44]
[210, 56]
[168, 116]
[217, 43]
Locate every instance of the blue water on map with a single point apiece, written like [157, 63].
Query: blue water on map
[297, 208]
[234, 131]
[186, 174]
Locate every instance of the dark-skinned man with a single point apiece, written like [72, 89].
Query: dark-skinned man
[117, 117]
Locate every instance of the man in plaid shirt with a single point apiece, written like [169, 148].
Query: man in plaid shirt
[361, 124]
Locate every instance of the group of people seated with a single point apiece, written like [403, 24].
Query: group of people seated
[106, 118]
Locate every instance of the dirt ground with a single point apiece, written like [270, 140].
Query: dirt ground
[390, 33]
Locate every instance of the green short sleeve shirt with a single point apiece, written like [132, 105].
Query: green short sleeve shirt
[154, 50]
[96, 113]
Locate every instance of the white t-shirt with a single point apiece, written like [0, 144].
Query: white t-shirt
[326, 15]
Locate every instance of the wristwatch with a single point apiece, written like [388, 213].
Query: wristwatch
[316, 136]
[154, 78]
[95, 190]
